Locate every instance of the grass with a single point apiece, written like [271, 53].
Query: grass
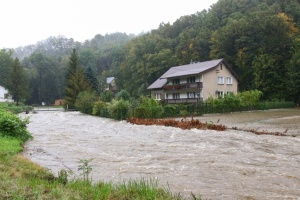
[22, 179]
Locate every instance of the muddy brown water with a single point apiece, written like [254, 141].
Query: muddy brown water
[218, 165]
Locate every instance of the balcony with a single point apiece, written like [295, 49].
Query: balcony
[184, 100]
[183, 86]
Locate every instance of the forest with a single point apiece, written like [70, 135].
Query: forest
[258, 38]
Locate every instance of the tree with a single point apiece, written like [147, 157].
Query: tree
[5, 62]
[46, 78]
[76, 81]
[17, 81]
[293, 83]
[91, 77]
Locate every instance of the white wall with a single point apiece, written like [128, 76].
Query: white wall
[3, 91]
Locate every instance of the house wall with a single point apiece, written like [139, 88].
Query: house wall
[159, 91]
[3, 91]
[210, 82]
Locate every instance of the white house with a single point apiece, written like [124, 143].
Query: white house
[195, 82]
[3, 94]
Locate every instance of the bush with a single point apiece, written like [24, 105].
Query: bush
[107, 96]
[100, 109]
[148, 108]
[119, 109]
[123, 94]
[171, 110]
[12, 126]
[85, 102]
[14, 108]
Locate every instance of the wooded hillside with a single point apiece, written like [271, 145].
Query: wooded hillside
[258, 38]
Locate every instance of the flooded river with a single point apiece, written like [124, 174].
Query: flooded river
[218, 165]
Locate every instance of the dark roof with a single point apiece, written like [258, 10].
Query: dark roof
[184, 70]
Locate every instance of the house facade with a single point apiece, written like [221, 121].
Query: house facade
[195, 82]
[3, 94]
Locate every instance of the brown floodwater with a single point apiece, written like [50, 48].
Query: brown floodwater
[216, 164]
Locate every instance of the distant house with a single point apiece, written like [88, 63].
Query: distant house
[4, 95]
[195, 82]
[111, 84]
[58, 102]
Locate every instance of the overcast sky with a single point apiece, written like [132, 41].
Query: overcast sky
[25, 22]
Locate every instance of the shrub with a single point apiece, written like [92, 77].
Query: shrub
[107, 96]
[119, 109]
[14, 108]
[85, 102]
[123, 94]
[12, 126]
[171, 110]
[100, 109]
[250, 98]
[148, 108]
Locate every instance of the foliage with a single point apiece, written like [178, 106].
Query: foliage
[170, 110]
[107, 96]
[46, 79]
[100, 108]
[85, 168]
[123, 94]
[6, 61]
[293, 73]
[251, 97]
[118, 109]
[85, 102]
[17, 82]
[148, 108]
[91, 77]
[257, 38]
[76, 81]
[12, 107]
[12, 126]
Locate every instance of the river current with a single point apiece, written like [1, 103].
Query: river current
[216, 164]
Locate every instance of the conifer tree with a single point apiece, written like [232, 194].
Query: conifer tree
[76, 81]
[91, 77]
[17, 82]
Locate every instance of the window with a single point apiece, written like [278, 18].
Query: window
[176, 96]
[191, 79]
[220, 93]
[191, 95]
[229, 80]
[176, 81]
[220, 80]
[158, 96]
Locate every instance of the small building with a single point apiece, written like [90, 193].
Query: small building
[58, 102]
[195, 82]
[111, 84]
[4, 95]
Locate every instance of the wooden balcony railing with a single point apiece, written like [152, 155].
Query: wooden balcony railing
[183, 86]
[183, 100]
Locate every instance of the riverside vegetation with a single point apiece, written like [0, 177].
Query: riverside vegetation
[121, 106]
[22, 179]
